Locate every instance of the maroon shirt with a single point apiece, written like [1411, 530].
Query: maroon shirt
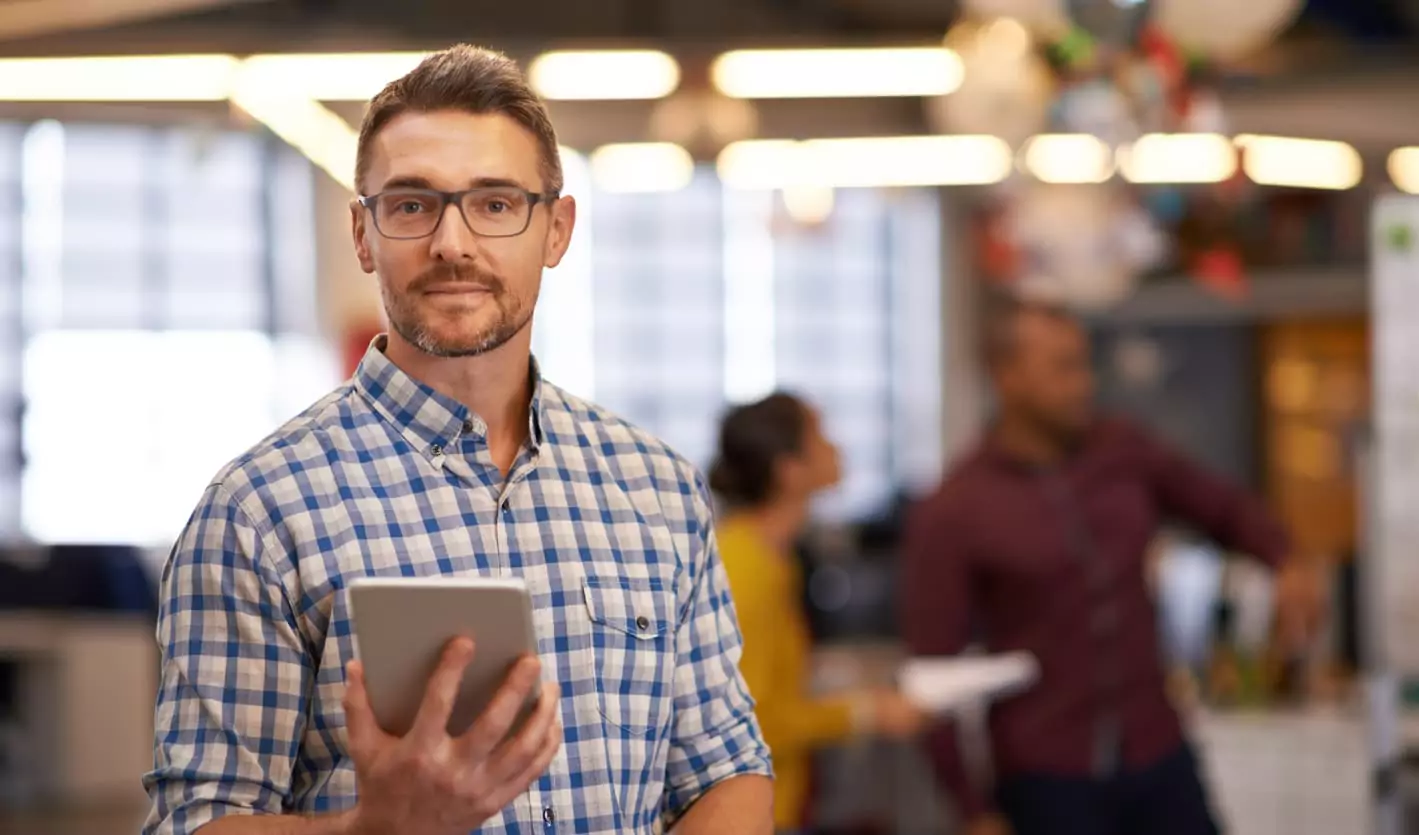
[1052, 562]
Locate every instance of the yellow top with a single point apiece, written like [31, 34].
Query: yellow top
[777, 644]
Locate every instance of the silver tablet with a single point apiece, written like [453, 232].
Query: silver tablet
[403, 624]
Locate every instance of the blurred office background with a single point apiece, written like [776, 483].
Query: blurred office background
[176, 279]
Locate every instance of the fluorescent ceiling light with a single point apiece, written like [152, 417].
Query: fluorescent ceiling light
[1300, 163]
[1404, 169]
[1179, 158]
[332, 76]
[325, 138]
[604, 75]
[640, 167]
[837, 73]
[152, 78]
[1068, 158]
[866, 162]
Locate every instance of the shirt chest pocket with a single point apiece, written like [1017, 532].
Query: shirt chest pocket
[633, 636]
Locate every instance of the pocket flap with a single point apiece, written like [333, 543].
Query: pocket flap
[639, 608]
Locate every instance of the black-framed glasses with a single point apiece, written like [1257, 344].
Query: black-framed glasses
[488, 211]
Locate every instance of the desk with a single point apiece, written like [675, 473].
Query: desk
[1301, 772]
[86, 691]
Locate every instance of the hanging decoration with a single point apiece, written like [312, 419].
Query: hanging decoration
[1007, 86]
[1113, 69]
[1081, 245]
[1225, 29]
[1113, 24]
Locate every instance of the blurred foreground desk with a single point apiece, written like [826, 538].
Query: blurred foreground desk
[1299, 772]
[85, 703]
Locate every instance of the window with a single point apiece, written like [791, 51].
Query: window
[11, 336]
[856, 329]
[670, 306]
[168, 319]
[658, 278]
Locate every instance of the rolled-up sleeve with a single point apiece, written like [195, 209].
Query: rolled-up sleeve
[715, 735]
[235, 676]
[1236, 518]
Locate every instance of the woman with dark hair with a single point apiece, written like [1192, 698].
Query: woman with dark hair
[773, 457]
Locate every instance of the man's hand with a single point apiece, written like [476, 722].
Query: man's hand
[988, 825]
[1301, 604]
[429, 783]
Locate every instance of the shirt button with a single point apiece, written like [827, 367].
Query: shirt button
[642, 623]
[467, 427]
[436, 450]
[549, 816]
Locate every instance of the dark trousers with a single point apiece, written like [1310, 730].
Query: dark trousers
[1166, 798]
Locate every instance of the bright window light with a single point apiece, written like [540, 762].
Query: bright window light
[1300, 163]
[837, 73]
[749, 295]
[1179, 158]
[641, 167]
[1068, 158]
[179, 425]
[604, 75]
[866, 162]
[564, 332]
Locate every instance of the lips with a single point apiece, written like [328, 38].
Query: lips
[456, 289]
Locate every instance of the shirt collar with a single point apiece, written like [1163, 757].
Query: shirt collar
[431, 421]
[998, 455]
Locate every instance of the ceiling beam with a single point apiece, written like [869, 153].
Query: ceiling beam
[31, 18]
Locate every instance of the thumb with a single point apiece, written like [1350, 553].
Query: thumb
[364, 732]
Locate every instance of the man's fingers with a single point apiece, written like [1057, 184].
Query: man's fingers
[502, 711]
[514, 755]
[431, 723]
[364, 732]
[551, 743]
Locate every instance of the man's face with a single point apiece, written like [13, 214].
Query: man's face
[1049, 377]
[456, 293]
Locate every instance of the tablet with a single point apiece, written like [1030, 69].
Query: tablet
[403, 624]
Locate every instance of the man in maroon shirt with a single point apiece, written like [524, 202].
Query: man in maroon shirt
[1036, 541]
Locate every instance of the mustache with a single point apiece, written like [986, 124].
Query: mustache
[454, 274]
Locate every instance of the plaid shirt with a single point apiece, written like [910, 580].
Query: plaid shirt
[608, 527]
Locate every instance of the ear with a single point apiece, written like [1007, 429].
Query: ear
[359, 230]
[559, 231]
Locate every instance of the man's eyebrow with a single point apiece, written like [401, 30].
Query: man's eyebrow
[410, 181]
[406, 182]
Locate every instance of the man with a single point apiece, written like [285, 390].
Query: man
[1037, 542]
[447, 454]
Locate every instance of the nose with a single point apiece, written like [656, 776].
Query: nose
[452, 241]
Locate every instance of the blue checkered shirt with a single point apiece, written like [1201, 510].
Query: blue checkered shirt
[385, 476]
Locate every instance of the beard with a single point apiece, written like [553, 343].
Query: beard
[444, 335]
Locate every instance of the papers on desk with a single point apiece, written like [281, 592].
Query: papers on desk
[944, 685]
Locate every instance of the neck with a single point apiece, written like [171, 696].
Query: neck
[779, 521]
[495, 386]
[1026, 441]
